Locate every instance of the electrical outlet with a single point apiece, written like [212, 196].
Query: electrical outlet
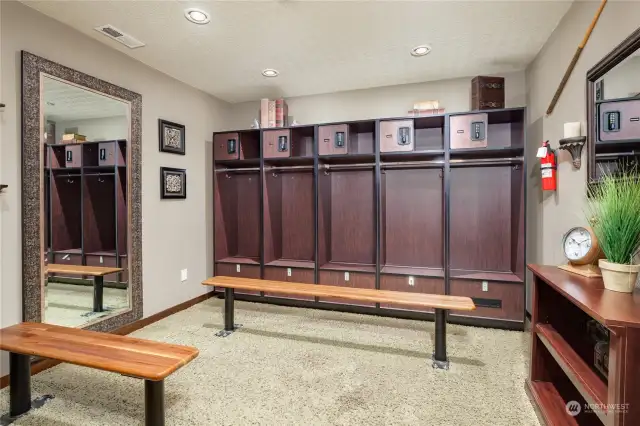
[485, 285]
[101, 259]
[412, 282]
[346, 276]
[288, 272]
[183, 275]
[238, 267]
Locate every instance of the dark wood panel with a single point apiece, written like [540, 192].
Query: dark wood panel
[480, 218]
[225, 217]
[324, 218]
[517, 223]
[297, 276]
[246, 271]
[297, 216]
[413, 218]
[352, 217]
[104, 261]
[356, 280]
[66, 213]
[510, 295]
[302, 141]
[420, 285]
[99, 213]
[272, 208]
[248, 199]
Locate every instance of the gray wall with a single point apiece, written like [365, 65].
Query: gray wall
[175, 234]
[551, 215]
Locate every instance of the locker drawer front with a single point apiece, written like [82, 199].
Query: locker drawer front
[333, 139]
[356, 280]
[226, 146]
[106, 261]
[246, 271]
[73, 156]
[297, 276]
[109, 154]
[500, 301]
[276, 143]
[469, 131]
[396, 135]
[66, 259]
[625, 117]
[421, 285]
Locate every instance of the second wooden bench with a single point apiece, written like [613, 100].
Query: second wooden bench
[97, 272]
[441, 303]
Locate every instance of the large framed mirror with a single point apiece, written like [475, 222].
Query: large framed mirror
[613, 111]
[81, 186]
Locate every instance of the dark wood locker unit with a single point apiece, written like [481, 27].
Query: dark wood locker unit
[87, 214]
[241, 145]
[289, 217]
[347, 279]
[349, 138]
[396, 135]
[241, 270]
[346, 219]
[292, 275]
[496, 300]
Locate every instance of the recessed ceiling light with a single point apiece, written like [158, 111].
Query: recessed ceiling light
[197, 16]
[420, 50]
[270, 72]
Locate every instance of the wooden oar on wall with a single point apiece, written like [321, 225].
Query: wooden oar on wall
[574, 61]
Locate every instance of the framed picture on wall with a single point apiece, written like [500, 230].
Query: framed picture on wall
[173, 183]
[171, 137]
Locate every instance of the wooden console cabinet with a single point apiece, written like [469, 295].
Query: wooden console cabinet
[564, 385]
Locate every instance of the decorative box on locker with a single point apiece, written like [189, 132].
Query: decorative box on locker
[487, 93]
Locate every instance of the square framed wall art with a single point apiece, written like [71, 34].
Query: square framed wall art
[173, 183]
[172, 137]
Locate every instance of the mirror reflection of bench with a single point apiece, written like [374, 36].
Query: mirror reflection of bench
[97, 272]
[129, 356]
[441, 303]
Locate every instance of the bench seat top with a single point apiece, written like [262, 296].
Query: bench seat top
[95, 271]
[130, 356]
[361, 294]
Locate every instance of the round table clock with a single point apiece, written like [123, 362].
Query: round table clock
[580, 246]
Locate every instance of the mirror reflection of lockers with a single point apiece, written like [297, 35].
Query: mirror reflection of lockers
[81, 186]
[613, 111]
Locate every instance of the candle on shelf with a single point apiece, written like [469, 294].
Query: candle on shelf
[571, 130]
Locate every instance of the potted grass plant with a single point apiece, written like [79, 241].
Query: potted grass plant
[614, 208]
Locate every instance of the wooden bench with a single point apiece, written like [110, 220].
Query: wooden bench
[144, 359]
[440, 303]
[97, 272]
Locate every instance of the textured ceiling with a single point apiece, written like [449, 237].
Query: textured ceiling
[65, 102]
[319, 47]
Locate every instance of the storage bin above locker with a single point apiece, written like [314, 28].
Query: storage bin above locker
[241, 145]
[356, 138]
[294, 143]
[396, 135]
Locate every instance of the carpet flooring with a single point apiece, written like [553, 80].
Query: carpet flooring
[293, 366]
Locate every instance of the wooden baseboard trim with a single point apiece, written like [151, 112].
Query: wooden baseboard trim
[46, 364]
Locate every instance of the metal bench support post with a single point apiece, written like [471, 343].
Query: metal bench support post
[154, 403]
[19, 384]
[229, 325]
[440, 359]
[98, 289]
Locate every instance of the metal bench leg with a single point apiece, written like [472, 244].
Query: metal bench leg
[440, 355]
[229, 325]
[19, 384]
[98, 289]
[154, 403]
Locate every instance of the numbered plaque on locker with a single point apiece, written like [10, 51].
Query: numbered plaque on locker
[396, 135]
[333, 139]
[619, 121]
[73, 156]
[469, 131]
[226, 146]
[276, 143]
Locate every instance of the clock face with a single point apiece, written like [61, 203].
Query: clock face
[577, 243]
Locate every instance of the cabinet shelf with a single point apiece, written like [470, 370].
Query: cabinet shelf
[415, 271]
[240, 260]
[348, 267]
[592, 388]
[289, 263]
[553, 408]
[485, 275]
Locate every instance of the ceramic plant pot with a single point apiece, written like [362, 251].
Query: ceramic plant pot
[618, 277]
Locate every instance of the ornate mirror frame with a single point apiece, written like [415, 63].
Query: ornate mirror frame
[33, 70]
[606, 64]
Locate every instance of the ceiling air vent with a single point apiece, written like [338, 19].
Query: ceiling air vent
[114, 33]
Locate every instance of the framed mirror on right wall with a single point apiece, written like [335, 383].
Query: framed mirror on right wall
[613, 111]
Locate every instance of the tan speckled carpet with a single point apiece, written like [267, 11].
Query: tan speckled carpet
[292, 366]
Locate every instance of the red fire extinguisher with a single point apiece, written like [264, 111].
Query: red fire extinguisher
[548, 168]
